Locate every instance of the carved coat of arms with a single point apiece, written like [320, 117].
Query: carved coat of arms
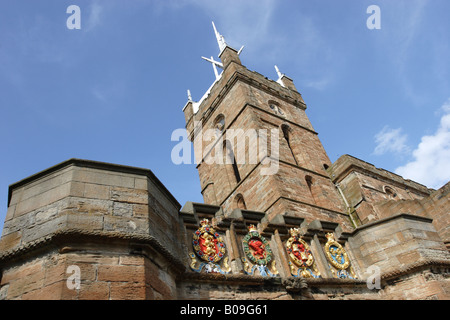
[338, 259]
[258, 254]
[209, 247]
[301, 259]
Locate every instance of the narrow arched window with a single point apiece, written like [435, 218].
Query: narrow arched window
[231, 159]
[309, 183]
[240, 203]
[286, 134]
[219, 124]
[285, 129]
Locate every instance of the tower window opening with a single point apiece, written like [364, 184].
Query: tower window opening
[274, 106]
[309, 181]
[219, 124]
[286, 134]
[310, 184]
[240, 203]
[236, 171]
[231, 159]
[390, 193]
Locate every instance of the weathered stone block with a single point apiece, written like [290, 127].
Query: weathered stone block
[121, 273]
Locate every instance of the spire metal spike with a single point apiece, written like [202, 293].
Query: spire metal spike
[280, 75]
[220, 39]
[278, 72]
[215, 70]
[189, 95]
[215, 64]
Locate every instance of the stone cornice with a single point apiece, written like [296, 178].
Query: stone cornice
[388, 219]
[64, 237]
[267, 281]
[95, 165]
[347, 164]
[414, 267]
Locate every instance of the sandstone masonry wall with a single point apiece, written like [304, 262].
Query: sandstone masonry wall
[110, 221]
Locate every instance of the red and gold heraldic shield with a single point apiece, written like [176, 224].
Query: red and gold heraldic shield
[207, 243]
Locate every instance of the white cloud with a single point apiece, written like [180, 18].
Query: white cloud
[431, 163]
[391, 140]
[446, 107]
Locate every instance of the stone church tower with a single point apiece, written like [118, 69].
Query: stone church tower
[279, 220]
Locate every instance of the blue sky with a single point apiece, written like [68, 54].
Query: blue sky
[114, 90]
